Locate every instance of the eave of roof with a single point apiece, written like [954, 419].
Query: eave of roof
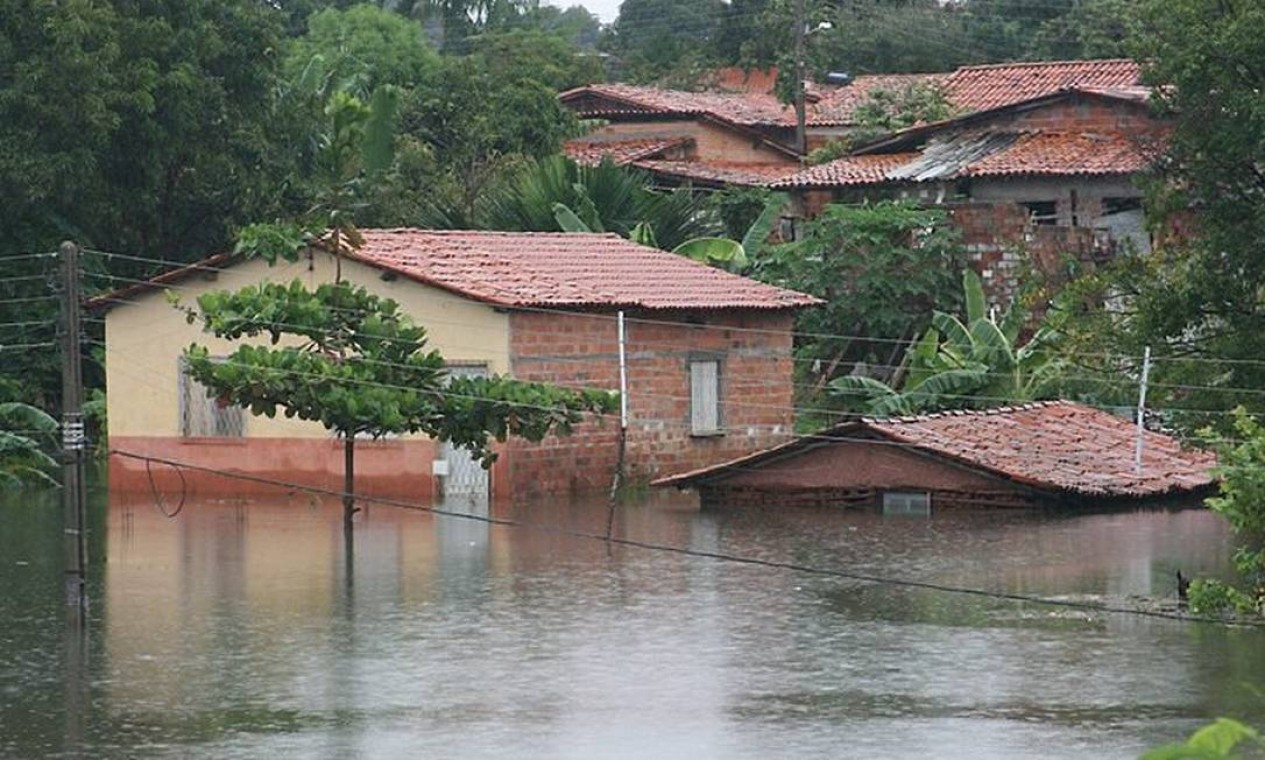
[538, 270]
[933, 435]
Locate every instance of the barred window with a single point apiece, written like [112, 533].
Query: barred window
[205, 416]
[705, 397]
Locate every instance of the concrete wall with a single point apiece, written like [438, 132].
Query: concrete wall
[145, 337]
[754, 349]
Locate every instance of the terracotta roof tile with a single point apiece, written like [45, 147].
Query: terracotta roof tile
[591, 152]
[988, 153]
[720, 171]
[834, 106]
[1050, 153]
[976, 88]
[535, 269]
[1057, 446]
[849, 170]
[565, 269]
[969, 88]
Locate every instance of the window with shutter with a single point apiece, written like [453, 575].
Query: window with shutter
[705, 397]
[204, 416]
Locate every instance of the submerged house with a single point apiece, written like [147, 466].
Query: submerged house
[1041, 454]
[708, 362]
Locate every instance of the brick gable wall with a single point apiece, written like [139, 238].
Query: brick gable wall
[754, 349]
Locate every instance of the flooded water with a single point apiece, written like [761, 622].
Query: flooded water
[235, 631]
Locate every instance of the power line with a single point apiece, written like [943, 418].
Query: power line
[696, 553]
[644, 320]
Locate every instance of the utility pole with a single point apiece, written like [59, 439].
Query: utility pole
[801, 118]
[1146, 375]
[74, 501]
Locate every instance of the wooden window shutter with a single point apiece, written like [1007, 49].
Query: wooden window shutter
[704, 397]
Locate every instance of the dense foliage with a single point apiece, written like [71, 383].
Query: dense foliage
[979, 362]
[882, 269]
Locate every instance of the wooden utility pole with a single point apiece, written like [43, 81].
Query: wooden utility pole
[74, 501]
[801, 118]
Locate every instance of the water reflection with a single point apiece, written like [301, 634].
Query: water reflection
[236, 630]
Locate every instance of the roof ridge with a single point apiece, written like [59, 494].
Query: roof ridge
[1034, 64]
[990, 412]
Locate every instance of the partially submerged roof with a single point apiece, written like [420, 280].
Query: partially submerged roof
[1057, 447]
[542, 269]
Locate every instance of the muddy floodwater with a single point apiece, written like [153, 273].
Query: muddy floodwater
[235, 630]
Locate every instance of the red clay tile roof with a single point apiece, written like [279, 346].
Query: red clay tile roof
[1064, 153]
[721, 172]
[849, 170]
[969, 88]
[535, 269]
[834, 105]
[591, 152]
[1059, 447]
[987, 153]
[541, 269]
[976, 88]
[837, 105]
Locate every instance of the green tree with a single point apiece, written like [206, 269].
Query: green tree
[360, 49]
[653, 38]
[1090, 29]
[1223, 739]
[355, 363]
[882, 270]
[27, 434]
[1196, 299]
[1241, 500]
[977, 363]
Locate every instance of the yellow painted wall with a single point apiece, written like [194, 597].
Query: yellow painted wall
[144, 339]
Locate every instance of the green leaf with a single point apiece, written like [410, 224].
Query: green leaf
[727, 254]
[568, 220]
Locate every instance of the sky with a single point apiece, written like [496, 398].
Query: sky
[606, 10]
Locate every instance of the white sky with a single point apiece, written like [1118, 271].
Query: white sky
[606, 10]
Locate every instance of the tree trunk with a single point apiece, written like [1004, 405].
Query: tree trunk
[349, 481]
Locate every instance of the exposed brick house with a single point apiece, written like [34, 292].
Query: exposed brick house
[1045, 454]
[709, 363]
[1030, 182]
[737, 132]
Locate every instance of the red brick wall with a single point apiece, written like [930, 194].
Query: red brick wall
[1001, 243]
[582, 351]
[1086, 114]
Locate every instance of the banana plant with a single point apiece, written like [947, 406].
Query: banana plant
[26, 433]
[978, 362]
[724, 253]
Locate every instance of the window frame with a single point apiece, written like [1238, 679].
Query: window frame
[699, 418]
[214, 419]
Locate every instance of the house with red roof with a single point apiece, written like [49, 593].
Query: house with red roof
[1029, 182]
[1049, 454]
[708, 363]
[737, 132]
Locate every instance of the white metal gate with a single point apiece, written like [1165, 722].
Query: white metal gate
[463, 477]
